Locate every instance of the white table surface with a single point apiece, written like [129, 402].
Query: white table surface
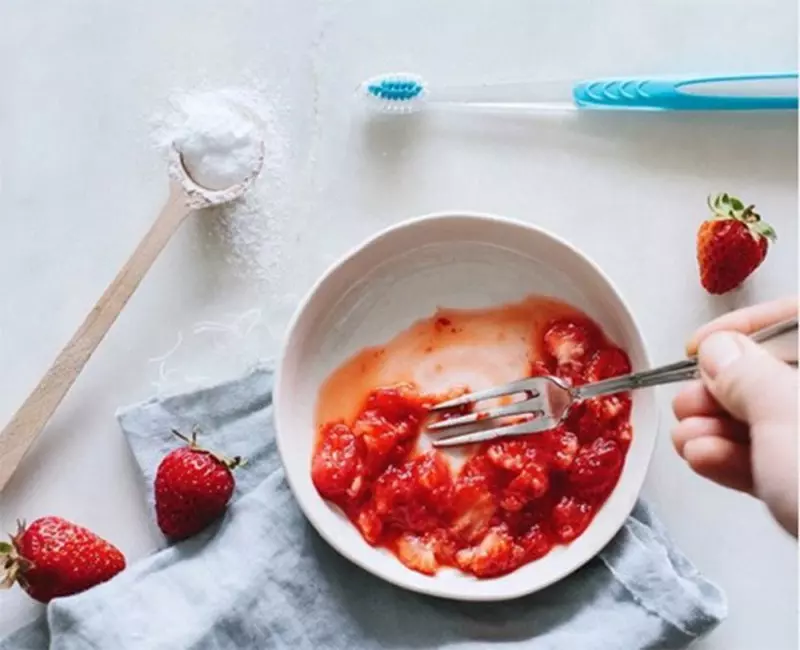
[80, 183]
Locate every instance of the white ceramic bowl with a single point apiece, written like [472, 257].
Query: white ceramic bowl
[401, 275]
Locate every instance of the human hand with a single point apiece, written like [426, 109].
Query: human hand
[737, 426]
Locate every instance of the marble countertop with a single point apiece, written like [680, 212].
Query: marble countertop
[80, 183]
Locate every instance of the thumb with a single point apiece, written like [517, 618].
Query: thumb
[747, 381]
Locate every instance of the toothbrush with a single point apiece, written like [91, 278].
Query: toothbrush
[409, 93]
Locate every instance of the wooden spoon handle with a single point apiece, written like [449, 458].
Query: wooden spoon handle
[34, 413]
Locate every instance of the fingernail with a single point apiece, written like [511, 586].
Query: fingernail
[717, 352]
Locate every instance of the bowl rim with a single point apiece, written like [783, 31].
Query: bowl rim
[351, 555]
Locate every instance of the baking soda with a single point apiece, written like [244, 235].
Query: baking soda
[219, 141]
[221, 135]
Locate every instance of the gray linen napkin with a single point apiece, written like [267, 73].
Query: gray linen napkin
[263, 578]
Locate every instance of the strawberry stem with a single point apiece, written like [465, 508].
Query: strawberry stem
[191, 443]
[750, 215]
[230, 463]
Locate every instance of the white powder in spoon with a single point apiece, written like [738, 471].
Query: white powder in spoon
[219, 140]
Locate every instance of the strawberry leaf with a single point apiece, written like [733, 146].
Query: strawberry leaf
[5, 548]
[736, 203]
[718, 207]
[765, 230]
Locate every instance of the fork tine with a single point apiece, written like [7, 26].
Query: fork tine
[533, 426]
[489, 393]
[527, 406]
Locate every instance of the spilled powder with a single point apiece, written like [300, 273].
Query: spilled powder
[220, 134]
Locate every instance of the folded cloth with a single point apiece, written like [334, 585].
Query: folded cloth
[263, 578]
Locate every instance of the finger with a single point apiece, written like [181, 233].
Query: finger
[707, 427]
[747, 320]
[722, 461]
[747, 381]
[695, 400]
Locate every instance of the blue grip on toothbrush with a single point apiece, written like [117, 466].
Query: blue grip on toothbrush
[741, 93]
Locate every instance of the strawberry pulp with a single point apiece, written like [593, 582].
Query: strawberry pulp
[511, 501]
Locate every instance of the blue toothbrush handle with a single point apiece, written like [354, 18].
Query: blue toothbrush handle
[736, 93]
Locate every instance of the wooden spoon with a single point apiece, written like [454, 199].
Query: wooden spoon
[26, 424]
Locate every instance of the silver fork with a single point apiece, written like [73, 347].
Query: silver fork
[548, 399]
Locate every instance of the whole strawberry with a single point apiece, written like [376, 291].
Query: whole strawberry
[731, 244]
[53, 557]
[192, 489]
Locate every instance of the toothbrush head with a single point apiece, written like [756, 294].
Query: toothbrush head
[395, 93]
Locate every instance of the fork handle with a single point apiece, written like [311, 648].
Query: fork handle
[779, 339]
